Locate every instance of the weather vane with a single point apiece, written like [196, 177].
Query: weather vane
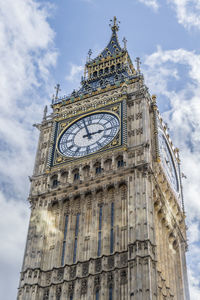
[114, 24]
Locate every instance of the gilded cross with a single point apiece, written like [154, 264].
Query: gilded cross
[57, 88]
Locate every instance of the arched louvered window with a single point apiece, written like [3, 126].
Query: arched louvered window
[64, 240]
[99, 232]
[76, 237]
[112, 228]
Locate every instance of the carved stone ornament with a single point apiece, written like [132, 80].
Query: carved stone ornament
[35, 274]
[110, 278]
[123, 276]
[83, 286]
[85, 269]
[46, 294]
[97, 281]
[48, 278]
[124, 259]
[72, 272]
[111, 262]
[60, 275]
[58, 292]
[98, 265]
[71, 287]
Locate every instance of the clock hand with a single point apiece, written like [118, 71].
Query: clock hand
[88, 135]
[99, 131]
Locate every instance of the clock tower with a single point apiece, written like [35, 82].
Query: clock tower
[107, 216]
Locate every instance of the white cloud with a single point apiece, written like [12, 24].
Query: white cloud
[166, 71]
[151, 3]
[75, 73]
[27, 53]
[187, 12]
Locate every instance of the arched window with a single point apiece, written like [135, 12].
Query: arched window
[120, 161]
[64, 240]
[97, 294]
[99, 232]
[98, 170]
[112, 228]
[110, 292]
[76, 174]
[76, 237]
[54, 181]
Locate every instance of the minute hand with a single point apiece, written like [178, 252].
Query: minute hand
[99, 131]
[88, 133]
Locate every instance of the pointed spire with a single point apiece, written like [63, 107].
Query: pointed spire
[114, 24]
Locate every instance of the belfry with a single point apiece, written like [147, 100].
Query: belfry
[107, 215]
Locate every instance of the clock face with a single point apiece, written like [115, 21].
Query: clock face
[88, 134]
[167, 160]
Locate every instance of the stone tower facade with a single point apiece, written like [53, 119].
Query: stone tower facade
[107, 217]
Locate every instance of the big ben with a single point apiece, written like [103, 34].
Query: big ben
[107, 215]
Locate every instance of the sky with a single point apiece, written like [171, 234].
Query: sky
[45, 42]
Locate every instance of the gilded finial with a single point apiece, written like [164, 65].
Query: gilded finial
[89, 54]
[114, 24]
[57, 88]
[45, 113]
[154, 98]
[125, 42]
[138, 61]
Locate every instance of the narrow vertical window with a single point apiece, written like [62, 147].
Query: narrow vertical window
[111, 228]
[99, 232]
[64, 241]
[97, 294]
[110, 292]
[76, 237]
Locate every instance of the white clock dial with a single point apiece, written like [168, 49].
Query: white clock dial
[167, 160]
[89, 134]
